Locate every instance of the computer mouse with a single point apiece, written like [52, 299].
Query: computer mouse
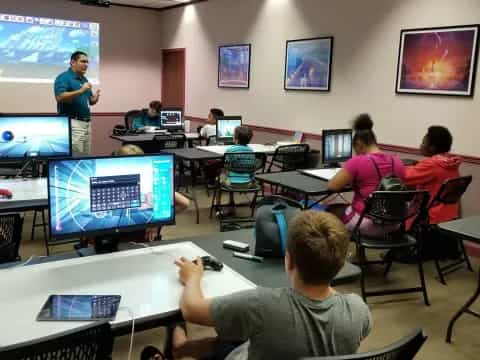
[5, 194]
[210, 263]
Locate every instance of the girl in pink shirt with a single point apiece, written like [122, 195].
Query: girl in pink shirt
[360, 173]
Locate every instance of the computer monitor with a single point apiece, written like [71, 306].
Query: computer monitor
[336, 146]
[171, 118]
[34, 137]
[226, 127]
[110, 195]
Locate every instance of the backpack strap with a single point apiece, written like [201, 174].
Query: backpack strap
[376, 168]
[279, 214]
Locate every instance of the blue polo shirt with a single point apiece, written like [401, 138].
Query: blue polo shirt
[142, 120]
[78, 108]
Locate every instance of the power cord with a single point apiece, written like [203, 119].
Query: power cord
[126, 308]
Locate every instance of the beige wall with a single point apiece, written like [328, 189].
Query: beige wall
[130, 68]
[364, 68]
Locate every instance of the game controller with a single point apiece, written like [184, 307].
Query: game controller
[210, 263]
[5, 194]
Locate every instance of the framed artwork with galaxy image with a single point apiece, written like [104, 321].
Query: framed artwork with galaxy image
[438, 61]
[308, 64]
[234, 66]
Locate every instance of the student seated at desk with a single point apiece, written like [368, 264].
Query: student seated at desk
[431, 172]
[150, 233]
[310, 318]
[210, 128]
[362, 173]
[241, 138]
[148, 117]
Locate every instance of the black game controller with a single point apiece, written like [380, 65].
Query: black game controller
[210, 263]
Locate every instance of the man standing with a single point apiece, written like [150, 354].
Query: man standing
[74, 96]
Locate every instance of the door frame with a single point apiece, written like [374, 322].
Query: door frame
[184, 51]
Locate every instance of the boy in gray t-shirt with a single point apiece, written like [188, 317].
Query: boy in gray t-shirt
[308, 319]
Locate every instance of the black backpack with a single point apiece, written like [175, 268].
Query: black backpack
[389, 182]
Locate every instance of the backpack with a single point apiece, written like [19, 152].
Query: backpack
[389, 182]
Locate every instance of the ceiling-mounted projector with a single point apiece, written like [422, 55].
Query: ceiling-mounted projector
[101, 3]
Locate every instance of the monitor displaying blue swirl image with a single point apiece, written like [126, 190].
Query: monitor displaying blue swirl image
[108, 195]
[34, 137]
[36, 49]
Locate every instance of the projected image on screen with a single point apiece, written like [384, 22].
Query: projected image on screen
[226, 128]
[34, 49]
[88, 195]
[34, 137]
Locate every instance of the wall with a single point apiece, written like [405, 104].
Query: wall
[364, 68]
[130, 72]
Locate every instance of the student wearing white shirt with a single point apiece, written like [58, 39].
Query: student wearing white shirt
[210, 128]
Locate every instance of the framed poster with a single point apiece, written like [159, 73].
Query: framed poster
[438, 61]
[308, 64]
[234, 66]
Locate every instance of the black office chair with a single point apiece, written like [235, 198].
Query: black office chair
[129, 116]
[391, 210]
[169, 141]
[289, 157]
[404, 349]
[90, 342]
[248, 163]
[10, 237]
[450, 193]
[211, 140]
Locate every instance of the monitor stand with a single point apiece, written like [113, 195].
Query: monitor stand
[106, 244]
[33, 164]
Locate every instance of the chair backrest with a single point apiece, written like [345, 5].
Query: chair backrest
[170, 141]
[90, 342]
[10, 236]
[244, 162]
[451, 191]
[404, 349]
[211, 140]
[290, 157]
[129, 116]
[394, 207]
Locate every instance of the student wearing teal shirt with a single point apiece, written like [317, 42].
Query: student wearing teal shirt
[242, 138]
[74, 96]
[148, 117]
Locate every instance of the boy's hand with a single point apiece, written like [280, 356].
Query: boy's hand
[189, 271]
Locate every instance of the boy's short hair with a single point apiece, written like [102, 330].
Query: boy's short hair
[76, 55]
[243, 135]
[155, 105]
[318, 244]
[440, 138]
[216, 113]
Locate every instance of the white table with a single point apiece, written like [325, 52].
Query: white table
[221, 149]
[27, 194]
[146, 279]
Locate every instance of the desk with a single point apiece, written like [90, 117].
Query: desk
[468, 229]
[221, 149]
[140, 139]
[306, 185]
[29, 194]
[142, 272]
[146, 279]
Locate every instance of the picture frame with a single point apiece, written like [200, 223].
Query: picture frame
[308, 64]
[234, 66]
[438, 61]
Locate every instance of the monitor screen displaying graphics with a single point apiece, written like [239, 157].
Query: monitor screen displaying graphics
[226, 127]
[336, 146]
[108, 195]
[171, 118]
[42, 137]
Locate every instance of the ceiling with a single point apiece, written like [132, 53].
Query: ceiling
[158, 4]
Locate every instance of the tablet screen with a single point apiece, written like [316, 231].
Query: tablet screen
[79, 308]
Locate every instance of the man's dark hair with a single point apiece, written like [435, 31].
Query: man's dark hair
[76, 55]
[318, 244]
[243, 135]
[155, 105]
[362, 122]
[439, 139]
[217, 113]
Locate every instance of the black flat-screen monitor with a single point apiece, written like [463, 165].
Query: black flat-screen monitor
[336, 146]
[110, 195]
[25, 137]
[171, 118]
[226, 127]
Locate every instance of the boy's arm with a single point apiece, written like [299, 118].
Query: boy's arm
[195, 308]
